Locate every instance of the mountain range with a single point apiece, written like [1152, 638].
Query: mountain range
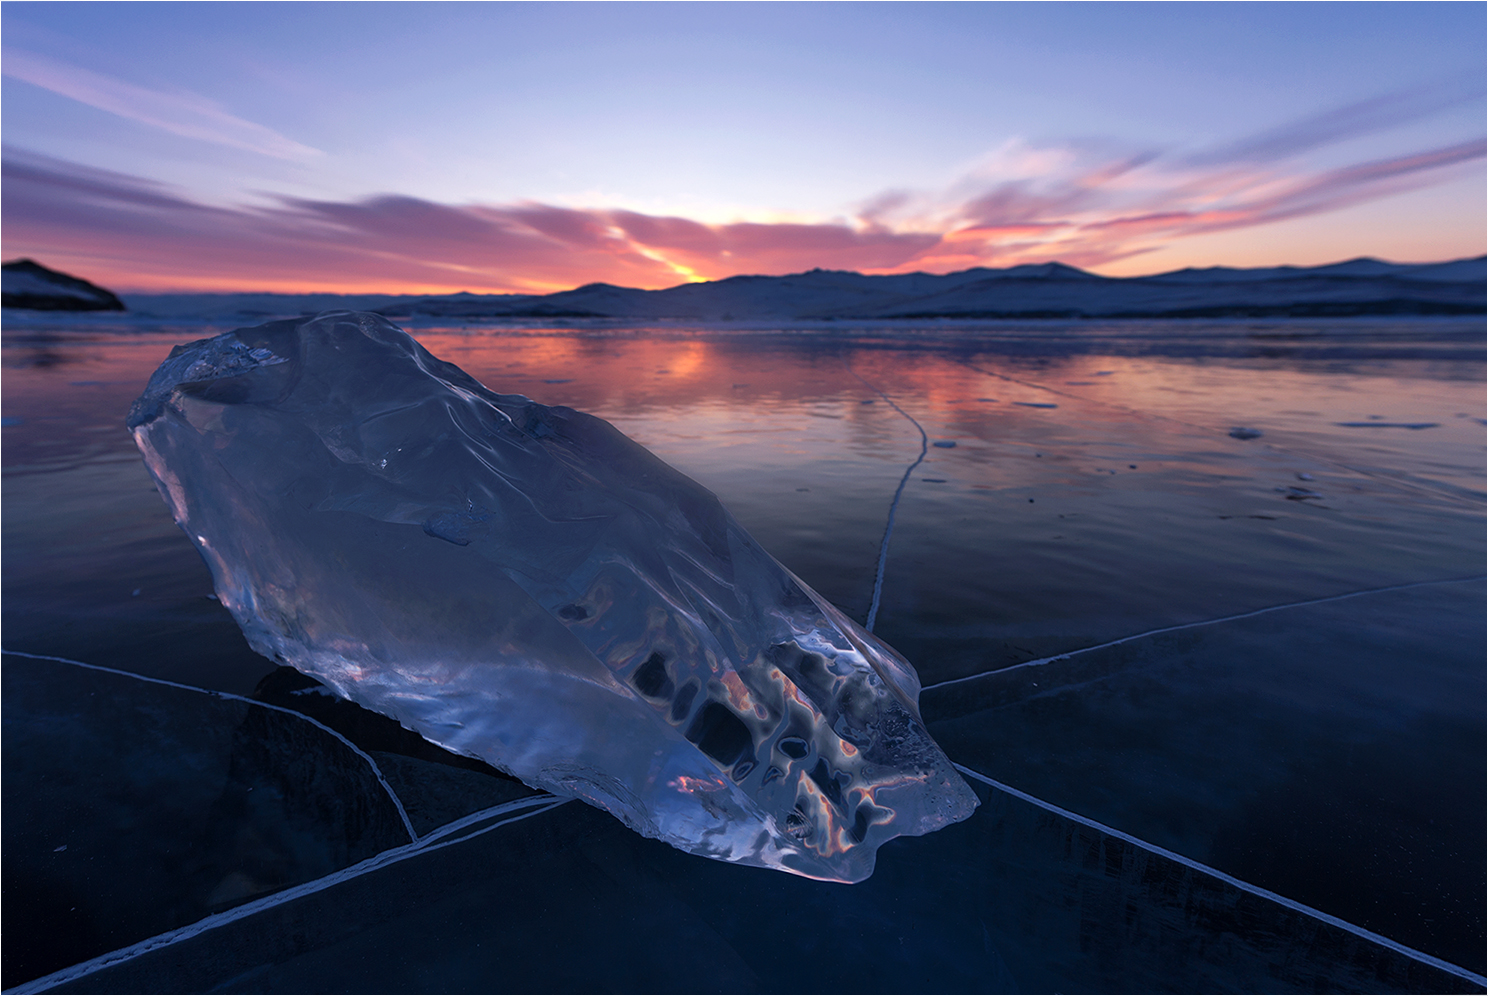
[1047, 290]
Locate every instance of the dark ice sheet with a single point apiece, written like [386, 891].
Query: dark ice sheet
[1330, 752]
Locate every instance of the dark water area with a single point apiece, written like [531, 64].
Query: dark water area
[1260, 766]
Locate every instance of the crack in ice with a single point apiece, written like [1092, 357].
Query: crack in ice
[376, 771]
[537, 804]
[883, 548]
[418, 845]
[1193, 625]
[1244, 886]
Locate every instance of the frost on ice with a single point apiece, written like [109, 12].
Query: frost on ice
[528, 586]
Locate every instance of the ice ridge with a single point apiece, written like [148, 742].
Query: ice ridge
[526, 585]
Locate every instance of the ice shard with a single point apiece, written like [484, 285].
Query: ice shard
[526, 585]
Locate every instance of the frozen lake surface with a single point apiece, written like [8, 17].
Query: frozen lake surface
[1221, 694]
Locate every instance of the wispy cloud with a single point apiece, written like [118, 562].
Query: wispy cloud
[1089, 204]
[1338, 124]
[1086, 204]
[185, 114]
[139, 234]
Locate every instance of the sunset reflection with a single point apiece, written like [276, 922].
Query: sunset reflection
[1093, 492]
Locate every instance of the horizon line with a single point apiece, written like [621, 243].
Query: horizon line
[124, 289]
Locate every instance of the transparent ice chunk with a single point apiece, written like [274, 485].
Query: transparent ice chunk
[526, 585]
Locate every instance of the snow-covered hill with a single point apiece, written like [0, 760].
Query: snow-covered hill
[1355, 287]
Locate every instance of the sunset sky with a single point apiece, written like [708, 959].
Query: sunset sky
[413, 148]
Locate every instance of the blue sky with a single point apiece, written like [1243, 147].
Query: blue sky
[533, 146]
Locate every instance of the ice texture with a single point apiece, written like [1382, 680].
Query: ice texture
[526, 585]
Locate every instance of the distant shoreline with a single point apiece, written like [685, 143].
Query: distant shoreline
[1363, 287]
[1049, 291]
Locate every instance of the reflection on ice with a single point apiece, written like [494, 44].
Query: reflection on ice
[526, 585]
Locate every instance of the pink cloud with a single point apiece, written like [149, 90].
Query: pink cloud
[681, 234]
[1089, 208]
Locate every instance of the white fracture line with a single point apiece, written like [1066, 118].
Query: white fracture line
[402, 813]
[1194, 625]
[543, 803]
[883, 548]
[1254, 890]
[480, 815]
